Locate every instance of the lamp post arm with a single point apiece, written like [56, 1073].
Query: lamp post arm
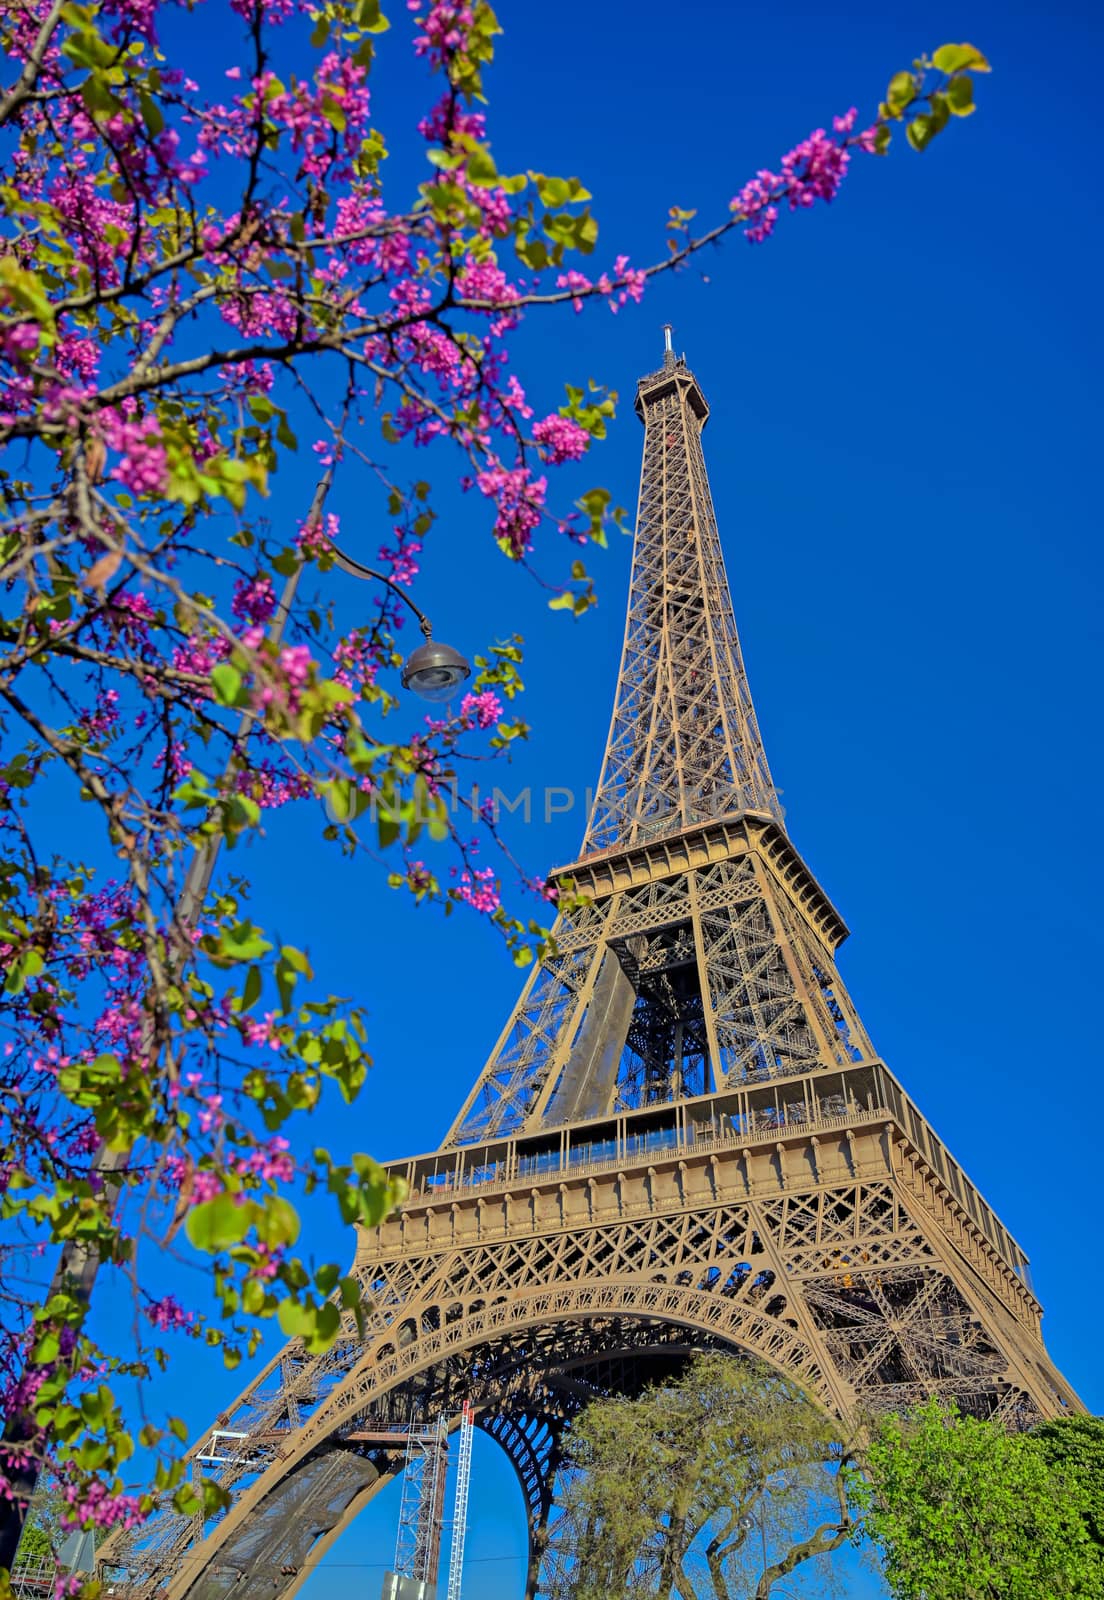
[357, 570]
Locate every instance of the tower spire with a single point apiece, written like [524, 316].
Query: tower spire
[684, 744]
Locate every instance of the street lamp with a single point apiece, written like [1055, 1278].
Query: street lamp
[433, 670]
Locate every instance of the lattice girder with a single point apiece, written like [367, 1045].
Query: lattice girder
[683, 1139]
[844, 1283]
[763, 987]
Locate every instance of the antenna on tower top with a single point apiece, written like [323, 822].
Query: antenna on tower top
[667, 332]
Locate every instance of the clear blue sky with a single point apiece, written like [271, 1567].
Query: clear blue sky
[904, 452]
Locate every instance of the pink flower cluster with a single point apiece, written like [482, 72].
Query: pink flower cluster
[479, 890]
[444, 28]
[562, 439]
[418, 877]
[813, 170]
[167, 1313]
[327, 116]
[480, 710]
[519, 501]
[402, 558]
[319, 535]
[270, 1162]
[254, 599]
[272, 786]
[296, 662]
[623, 284]
[143, 468]
[19, 340]
[92, 1505]
[485, 281]
[98, 722]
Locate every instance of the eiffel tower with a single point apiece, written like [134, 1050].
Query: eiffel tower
[683, 1140]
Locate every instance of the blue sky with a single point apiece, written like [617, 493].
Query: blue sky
[903, 452]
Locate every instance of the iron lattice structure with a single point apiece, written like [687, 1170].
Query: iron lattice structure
[683, 1140]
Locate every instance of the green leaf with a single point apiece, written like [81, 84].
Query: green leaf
[26, 965]
[279, 1224]
[334, 113]
[559, 191]
[240, 942]
[921, 131]
[370, 17]
[46, 1349]
[86, 48]
[251, 990]
[216, 1224]
[480, 167]
[253, 1297]
[152, 115]
[959, 96]
[901, 92]
[226, 682]
[959, 57]
[317, 1326]
[376, 1195]
[186, 1501]
[345, 800]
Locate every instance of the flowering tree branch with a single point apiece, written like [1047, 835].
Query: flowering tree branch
[198, 261]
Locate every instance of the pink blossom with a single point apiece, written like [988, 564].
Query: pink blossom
[19, 340]
[92, 1505]
[143, 468]
[168, 1313]
[444, 28]
[401, 559]
[296, 663]
[577, 282]
[254, 600]
[479, 890]
[317, 536]
[485, 280]
[627, 284]
[481, 710]
[563, 439]
[814, 169]
[519, 499]
[205, 1186]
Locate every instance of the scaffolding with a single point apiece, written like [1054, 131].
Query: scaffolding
[36, 1577]
[418, 1543]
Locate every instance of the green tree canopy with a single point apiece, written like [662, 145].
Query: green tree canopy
[1074, 1448]
[963, 1510]
[720, 1484]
